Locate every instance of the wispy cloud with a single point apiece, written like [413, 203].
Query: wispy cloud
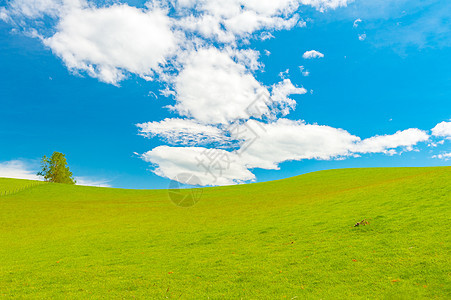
[18, 169]
[405, 23]
[87, 181]
[304, 71]
[357, 22]
[183, 132]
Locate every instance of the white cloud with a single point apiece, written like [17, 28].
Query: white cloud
[356, 22]
[304, 71]
[444, 156]
[442, 129]
[18, 169]
[284, 74]
[248, 22]
[266, 36]
[272, 7]
[213, 88]
[227, 21]
[264, 7]
[206, 26]
[211, 166]
[312, 54]
[86, 181]
[33, 9]
[285, 140]
[246, 57]
[280, 93]
[4, 14]
[435, 144]
[266, 145]
[382, 143]
[322, 5]
[109, 42]
[362, 37]
[183, 132]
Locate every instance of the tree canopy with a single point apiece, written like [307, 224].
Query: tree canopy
[55, 169]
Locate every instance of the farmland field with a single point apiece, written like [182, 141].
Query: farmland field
[286, 239]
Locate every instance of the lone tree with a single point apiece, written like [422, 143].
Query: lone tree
[55, 169]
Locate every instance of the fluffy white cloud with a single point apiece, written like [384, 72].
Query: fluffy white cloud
[383, 143]
[227, 21]
[264, 7]
[248, 22]
[211, 166]
[266, 145]
[213, 88]
[312, 54]
[442, 129]
[18, 169]
[108, 42]
[246, 57]
[206, 26]
[272, 7]
[183, 132]
[279, 96]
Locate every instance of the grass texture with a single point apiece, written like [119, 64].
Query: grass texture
[286, 239]
[12, 186]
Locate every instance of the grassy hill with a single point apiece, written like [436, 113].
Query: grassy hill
[286, 239]
[12, 186]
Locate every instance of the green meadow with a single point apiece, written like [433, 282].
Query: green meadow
[287, 239]
[12, 186]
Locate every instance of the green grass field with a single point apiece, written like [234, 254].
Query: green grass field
[287, 239]
[12, 186]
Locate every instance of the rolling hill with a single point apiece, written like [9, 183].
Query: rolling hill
[286, 239]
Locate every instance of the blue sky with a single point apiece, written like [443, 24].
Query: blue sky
[377, 95]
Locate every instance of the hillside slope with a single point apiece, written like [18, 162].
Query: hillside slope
[11, 186]
[277, 240]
